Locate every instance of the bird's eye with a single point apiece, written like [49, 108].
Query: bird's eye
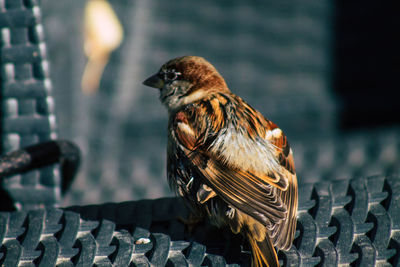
[171, 75]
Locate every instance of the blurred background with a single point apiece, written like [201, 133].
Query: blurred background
[327, 72]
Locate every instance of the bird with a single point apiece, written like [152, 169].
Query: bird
[225, 159]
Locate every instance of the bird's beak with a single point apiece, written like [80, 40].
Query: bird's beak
[154, 81]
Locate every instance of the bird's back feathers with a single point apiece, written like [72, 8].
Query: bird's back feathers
[243, 157]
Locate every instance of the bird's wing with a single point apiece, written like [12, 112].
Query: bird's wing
[283, 235]
[265, 196]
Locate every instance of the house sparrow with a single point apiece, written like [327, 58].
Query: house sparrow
[225, 159]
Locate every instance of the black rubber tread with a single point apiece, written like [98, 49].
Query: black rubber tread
[27, 105]
[348, 222]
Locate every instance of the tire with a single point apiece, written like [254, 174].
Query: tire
[348, 222]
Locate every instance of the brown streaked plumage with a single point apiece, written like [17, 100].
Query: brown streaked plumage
[225, 159]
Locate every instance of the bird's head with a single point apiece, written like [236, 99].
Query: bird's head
[184, 80]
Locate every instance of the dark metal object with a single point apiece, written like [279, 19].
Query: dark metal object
[40, 155]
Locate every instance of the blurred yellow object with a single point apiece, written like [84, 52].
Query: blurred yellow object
[103, 33]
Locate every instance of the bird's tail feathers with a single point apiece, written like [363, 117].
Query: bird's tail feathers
[263, 253]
